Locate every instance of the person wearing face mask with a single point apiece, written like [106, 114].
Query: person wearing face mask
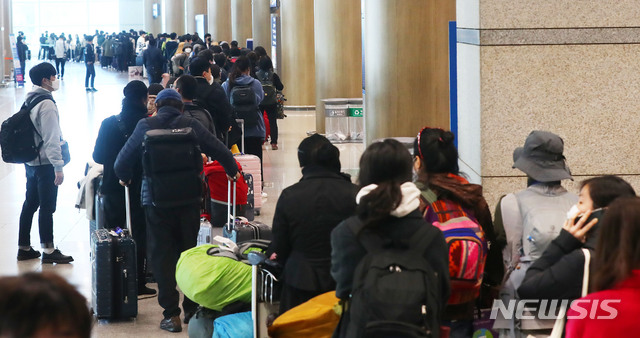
[528, 220]
[180, 61]
[558, 273]
[44, 174]
[113, 134]
[211, 96]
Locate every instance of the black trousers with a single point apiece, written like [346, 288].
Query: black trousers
[253, 146]
[171, 231]
[115, 217]
[272, 115]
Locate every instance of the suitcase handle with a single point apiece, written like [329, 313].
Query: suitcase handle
[127, 207]
[231, 221]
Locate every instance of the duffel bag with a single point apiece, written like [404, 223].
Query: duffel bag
[316, 318]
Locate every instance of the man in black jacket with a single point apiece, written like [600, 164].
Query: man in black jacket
[187, 85]
[212, 97]
[89, 60]
[172, 230]
[153, 61]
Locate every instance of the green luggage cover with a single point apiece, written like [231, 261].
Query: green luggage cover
[213, 281]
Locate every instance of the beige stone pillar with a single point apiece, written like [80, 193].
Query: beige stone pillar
[298, 56]
[261, 17]
[406, 66]
[151, 24]
[173, 16]
[568, 67]
[191, 9]
[338, 75]
[241, 24]
[219, 18]
[5, 30]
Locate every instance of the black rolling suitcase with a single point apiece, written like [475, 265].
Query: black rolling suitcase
[114, 286]
[242, 230]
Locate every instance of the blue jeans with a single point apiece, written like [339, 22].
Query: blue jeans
[41, 193]
[91, 73]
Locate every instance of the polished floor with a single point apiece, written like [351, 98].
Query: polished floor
[80, 116]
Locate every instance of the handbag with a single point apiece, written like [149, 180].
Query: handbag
[558, 327]
[64, 149]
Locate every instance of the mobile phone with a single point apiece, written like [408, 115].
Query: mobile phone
[597, 213]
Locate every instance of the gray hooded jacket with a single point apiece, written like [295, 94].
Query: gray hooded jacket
[46, 120]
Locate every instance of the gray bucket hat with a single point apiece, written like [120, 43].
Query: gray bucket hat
[541, 157]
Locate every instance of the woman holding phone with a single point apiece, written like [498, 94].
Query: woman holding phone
[558, 273]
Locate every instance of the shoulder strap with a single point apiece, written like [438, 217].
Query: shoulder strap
[372, 241]
[368, 239]
[585, 276]
[39, 98]
[154, 123]
[34, 103]
[121, 126]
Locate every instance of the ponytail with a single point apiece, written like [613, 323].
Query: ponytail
[375, 207]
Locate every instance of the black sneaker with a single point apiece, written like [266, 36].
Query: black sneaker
[88, 89]
[188, 316]
[145, 291]
[171, 324]
[56, 257]
[93, 89]
[24, 255]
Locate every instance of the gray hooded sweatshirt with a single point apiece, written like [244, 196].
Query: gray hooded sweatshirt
[46, 120]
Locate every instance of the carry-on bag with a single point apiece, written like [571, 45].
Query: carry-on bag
[240, 229]
[114, 292]
[318, 317]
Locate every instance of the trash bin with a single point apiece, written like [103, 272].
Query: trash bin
[356, 120]
[406, 141]
[336, 120]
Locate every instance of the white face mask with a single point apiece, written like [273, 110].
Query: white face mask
[55, 85]
[573, 212]
[187, 50]
[210, 80]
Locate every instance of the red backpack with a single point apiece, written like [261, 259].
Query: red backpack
[467, 248]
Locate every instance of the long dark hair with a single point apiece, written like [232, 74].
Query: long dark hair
[437, 152]
[241, 65]
[617, 251]
[387, 164]
[605, 189]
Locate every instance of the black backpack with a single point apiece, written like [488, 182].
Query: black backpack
[244, 103]
[17, 134]
[395, 290]
[270, 92]
[172, 164]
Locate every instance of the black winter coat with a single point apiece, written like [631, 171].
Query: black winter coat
[558, 273]
[213, 98]
[109, 142]
[305, 215]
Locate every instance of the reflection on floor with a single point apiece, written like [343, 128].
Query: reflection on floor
[80, 116]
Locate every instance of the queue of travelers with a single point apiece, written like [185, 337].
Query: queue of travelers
[410, 247]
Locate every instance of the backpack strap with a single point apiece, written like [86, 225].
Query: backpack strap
[373, 242]
[122, 126]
